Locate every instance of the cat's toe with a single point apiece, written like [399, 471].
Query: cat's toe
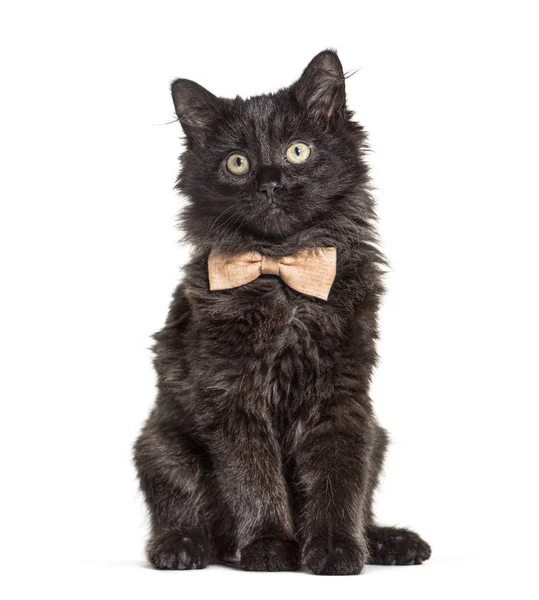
[270, 554]
[396, 546]
[176, 550]
[335, 557]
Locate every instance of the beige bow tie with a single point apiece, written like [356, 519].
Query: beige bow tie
[309, 272]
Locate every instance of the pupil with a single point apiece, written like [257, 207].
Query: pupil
[297, 150]
[238, 161]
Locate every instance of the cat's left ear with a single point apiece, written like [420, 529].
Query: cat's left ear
[196, 107]
[320, 89]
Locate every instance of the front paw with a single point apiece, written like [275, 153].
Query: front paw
[270, 554]
[176, 550]
[326, 556]
[396, 546]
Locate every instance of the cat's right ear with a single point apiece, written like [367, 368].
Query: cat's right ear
[197, 109]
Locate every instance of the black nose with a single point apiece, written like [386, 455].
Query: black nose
[269, 179]
[269, 187]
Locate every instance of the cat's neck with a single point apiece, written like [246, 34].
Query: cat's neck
[343, 233]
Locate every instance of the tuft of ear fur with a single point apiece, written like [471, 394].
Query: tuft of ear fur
[195, 106]
[320, 89]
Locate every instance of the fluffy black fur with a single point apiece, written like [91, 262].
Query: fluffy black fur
[263, 446]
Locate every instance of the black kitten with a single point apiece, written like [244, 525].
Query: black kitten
[262, 444]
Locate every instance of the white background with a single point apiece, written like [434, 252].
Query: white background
[89, 259]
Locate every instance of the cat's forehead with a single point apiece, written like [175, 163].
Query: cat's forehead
[261, 107]
[262, 120]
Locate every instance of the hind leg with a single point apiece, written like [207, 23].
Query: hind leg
[389, 545]
[174, 479]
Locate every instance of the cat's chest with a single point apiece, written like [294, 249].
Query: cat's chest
[274, 318]
[265, 322]
[299, 356]
[280, 329]
[278, 340]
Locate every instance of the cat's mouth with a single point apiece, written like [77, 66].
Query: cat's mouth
[266, 207]
[268, 200]
[273, 209]
[270, 220]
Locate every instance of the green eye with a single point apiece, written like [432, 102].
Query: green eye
[237, 164]
[298, 153]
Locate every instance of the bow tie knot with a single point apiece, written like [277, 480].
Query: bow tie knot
[309, 272]
[269, 265]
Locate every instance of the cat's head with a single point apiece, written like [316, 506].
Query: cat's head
[269, 166]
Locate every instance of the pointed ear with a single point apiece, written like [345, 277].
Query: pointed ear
[196, 108]
[320, 89]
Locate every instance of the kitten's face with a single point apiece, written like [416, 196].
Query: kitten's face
[271, 165]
